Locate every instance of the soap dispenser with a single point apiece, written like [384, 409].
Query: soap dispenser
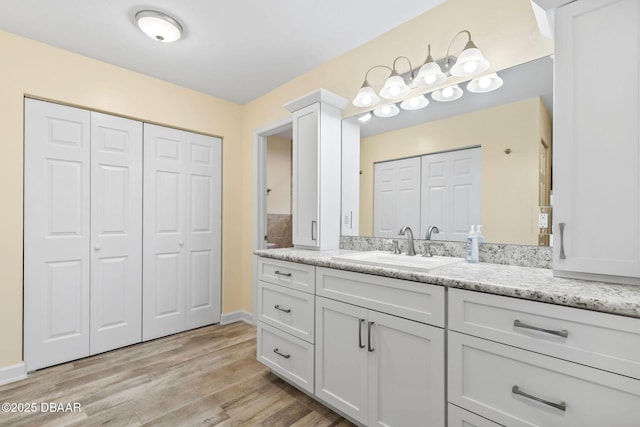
[472, 246]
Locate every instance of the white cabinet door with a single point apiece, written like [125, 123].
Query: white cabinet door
[305, 191]
[450, 194]
[57, 234]
[406, 372]
[203, 230]
[116, 232]
[597, 140]
[396, 198]
[164, 232]
[341, 357]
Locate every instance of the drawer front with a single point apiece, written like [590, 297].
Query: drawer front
[287, 309]
[290, 274]
[601, 340]
[290, 357]
[412, 300]
[516, 387]
[458, 417]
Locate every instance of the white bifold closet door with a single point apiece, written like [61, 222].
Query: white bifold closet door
[181, 231]
[82, 233]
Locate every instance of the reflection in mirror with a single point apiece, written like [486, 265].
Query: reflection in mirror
[512, 126]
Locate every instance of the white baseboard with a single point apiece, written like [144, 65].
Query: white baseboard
[9, 374]
[236, 316]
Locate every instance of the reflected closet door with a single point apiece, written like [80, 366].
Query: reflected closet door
[116, 232]
[56, 233]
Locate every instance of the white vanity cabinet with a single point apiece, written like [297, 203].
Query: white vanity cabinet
[286, 324]
[317, 137]
[380, 369]
[597, 140]
[514, 362]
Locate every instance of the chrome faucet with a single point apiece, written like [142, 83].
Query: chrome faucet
[411, 250]
[427, 248]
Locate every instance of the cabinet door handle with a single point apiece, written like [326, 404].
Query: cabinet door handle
[314, 225]
[561, 333]
[277, 351]
[369, 347]
[280, 273]
[560, 406]
[285, 310]
[361, 321]
[561, 226]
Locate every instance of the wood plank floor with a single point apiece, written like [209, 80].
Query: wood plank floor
[205, 377]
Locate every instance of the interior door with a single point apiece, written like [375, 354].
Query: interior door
[116, 232]
[164, 231]
[56, 233]
[451, 191]
[396, 199]
[203, 228]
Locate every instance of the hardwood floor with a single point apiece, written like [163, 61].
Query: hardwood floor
[205, 377]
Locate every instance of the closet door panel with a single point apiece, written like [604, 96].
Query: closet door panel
[164, 231]
[56, 234]
[116, 236]
[203, 230]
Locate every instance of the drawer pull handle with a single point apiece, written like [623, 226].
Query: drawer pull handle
[361, 321]
[562, 333]
[369, 347]
[560, 406]
[284, 310]
[280, 273]
[276, 351]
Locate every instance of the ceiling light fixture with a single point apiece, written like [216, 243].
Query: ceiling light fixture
[159, 26]
[470, 62]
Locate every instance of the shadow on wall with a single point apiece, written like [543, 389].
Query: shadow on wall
[279, 230]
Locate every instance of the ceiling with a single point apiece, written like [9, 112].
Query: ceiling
[237, 50]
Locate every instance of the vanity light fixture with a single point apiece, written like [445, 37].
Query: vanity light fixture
[430, 74]
[415, 103]
[386, 111]
[395, 87]
[485, 83]
[471, 61]
[159, 26]
[449, 93]
[365, 117]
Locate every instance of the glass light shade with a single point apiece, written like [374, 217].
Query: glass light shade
[449, 93]
[365, 117]
[469, 63]
[159, 26]
[415, 103]
[485, 83]
[366, 96]
[386, 111]
[394, 87]
[430, 74]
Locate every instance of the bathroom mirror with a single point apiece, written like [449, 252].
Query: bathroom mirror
[512, 125]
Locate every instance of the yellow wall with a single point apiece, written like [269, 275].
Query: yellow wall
[505, 30]
[279, 175]
[509, 182]
[42, 71]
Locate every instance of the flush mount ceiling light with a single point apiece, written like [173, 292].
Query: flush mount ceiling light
[469, 63]
[159, 26]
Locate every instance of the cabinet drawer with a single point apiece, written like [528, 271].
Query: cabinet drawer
[288, 356]
[503, 384]
[287, 309]
[290, 274]
[458, 417]
[601, 340]
[412, 300]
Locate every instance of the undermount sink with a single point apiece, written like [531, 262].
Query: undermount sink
[386, 259]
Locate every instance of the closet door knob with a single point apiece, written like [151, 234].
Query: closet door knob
[97, 247]
[180, 243]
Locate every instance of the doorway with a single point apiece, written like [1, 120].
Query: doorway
[279, 172]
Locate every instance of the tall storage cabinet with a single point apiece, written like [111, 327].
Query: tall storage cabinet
[597, 140]
[83, 236]
[317, 136]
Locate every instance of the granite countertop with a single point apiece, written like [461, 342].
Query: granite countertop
[537, 284]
